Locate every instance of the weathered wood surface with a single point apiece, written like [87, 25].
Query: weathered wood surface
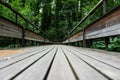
[59, 62]
[11, 29]
[107, 25]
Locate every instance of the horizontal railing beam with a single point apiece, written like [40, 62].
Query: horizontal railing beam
[106, 26]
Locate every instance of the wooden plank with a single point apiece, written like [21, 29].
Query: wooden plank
[9, 25]
[60, 69]
[82, 69]
[6, 33]
[107, 20]
[109, 31]
[100, 53]
[32, 36]
[15, 69]
[96, 56]
[58, 62]
[11, 61]
[11, 29]
[26, 51]
[39, 69]
[107, 25]
[107, 70]
[77, 37]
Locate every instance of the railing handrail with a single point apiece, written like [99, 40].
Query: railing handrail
[103, 17]
[106, 14]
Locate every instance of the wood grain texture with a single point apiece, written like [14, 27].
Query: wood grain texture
[60, 69]
[11, 29]
[105, 26]
[59, 62]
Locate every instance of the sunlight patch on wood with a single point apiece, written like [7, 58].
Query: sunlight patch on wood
[5, 53]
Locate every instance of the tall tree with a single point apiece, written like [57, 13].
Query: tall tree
[46, 15]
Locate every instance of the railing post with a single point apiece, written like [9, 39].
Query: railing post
[104, 12]
[84, 41]
[23, 37]
[107, 42]
[14, 41]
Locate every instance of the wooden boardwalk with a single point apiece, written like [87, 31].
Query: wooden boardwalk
[59, 62]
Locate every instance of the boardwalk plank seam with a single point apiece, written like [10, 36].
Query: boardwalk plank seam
[72, 63]
[21, 59]
[15, 56]
[77, 78]
[98, 60]
[30, 64]
[92, 66]
[48, 71]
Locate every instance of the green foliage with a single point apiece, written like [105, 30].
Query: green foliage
[99, 44]
[4, 42]
[115, 44]
[57, 17]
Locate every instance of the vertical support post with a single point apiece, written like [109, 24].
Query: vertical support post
[107, 42]
[104, 12]
[23, 37]
[84, 41]
[14, 41]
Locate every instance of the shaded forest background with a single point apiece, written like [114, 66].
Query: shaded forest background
[57, 17]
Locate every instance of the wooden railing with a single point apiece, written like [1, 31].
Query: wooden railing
[106, 26]
[13, 29]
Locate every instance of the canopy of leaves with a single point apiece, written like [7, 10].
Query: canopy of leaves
[55, 17]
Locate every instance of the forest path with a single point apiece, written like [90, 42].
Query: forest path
[60, 62]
